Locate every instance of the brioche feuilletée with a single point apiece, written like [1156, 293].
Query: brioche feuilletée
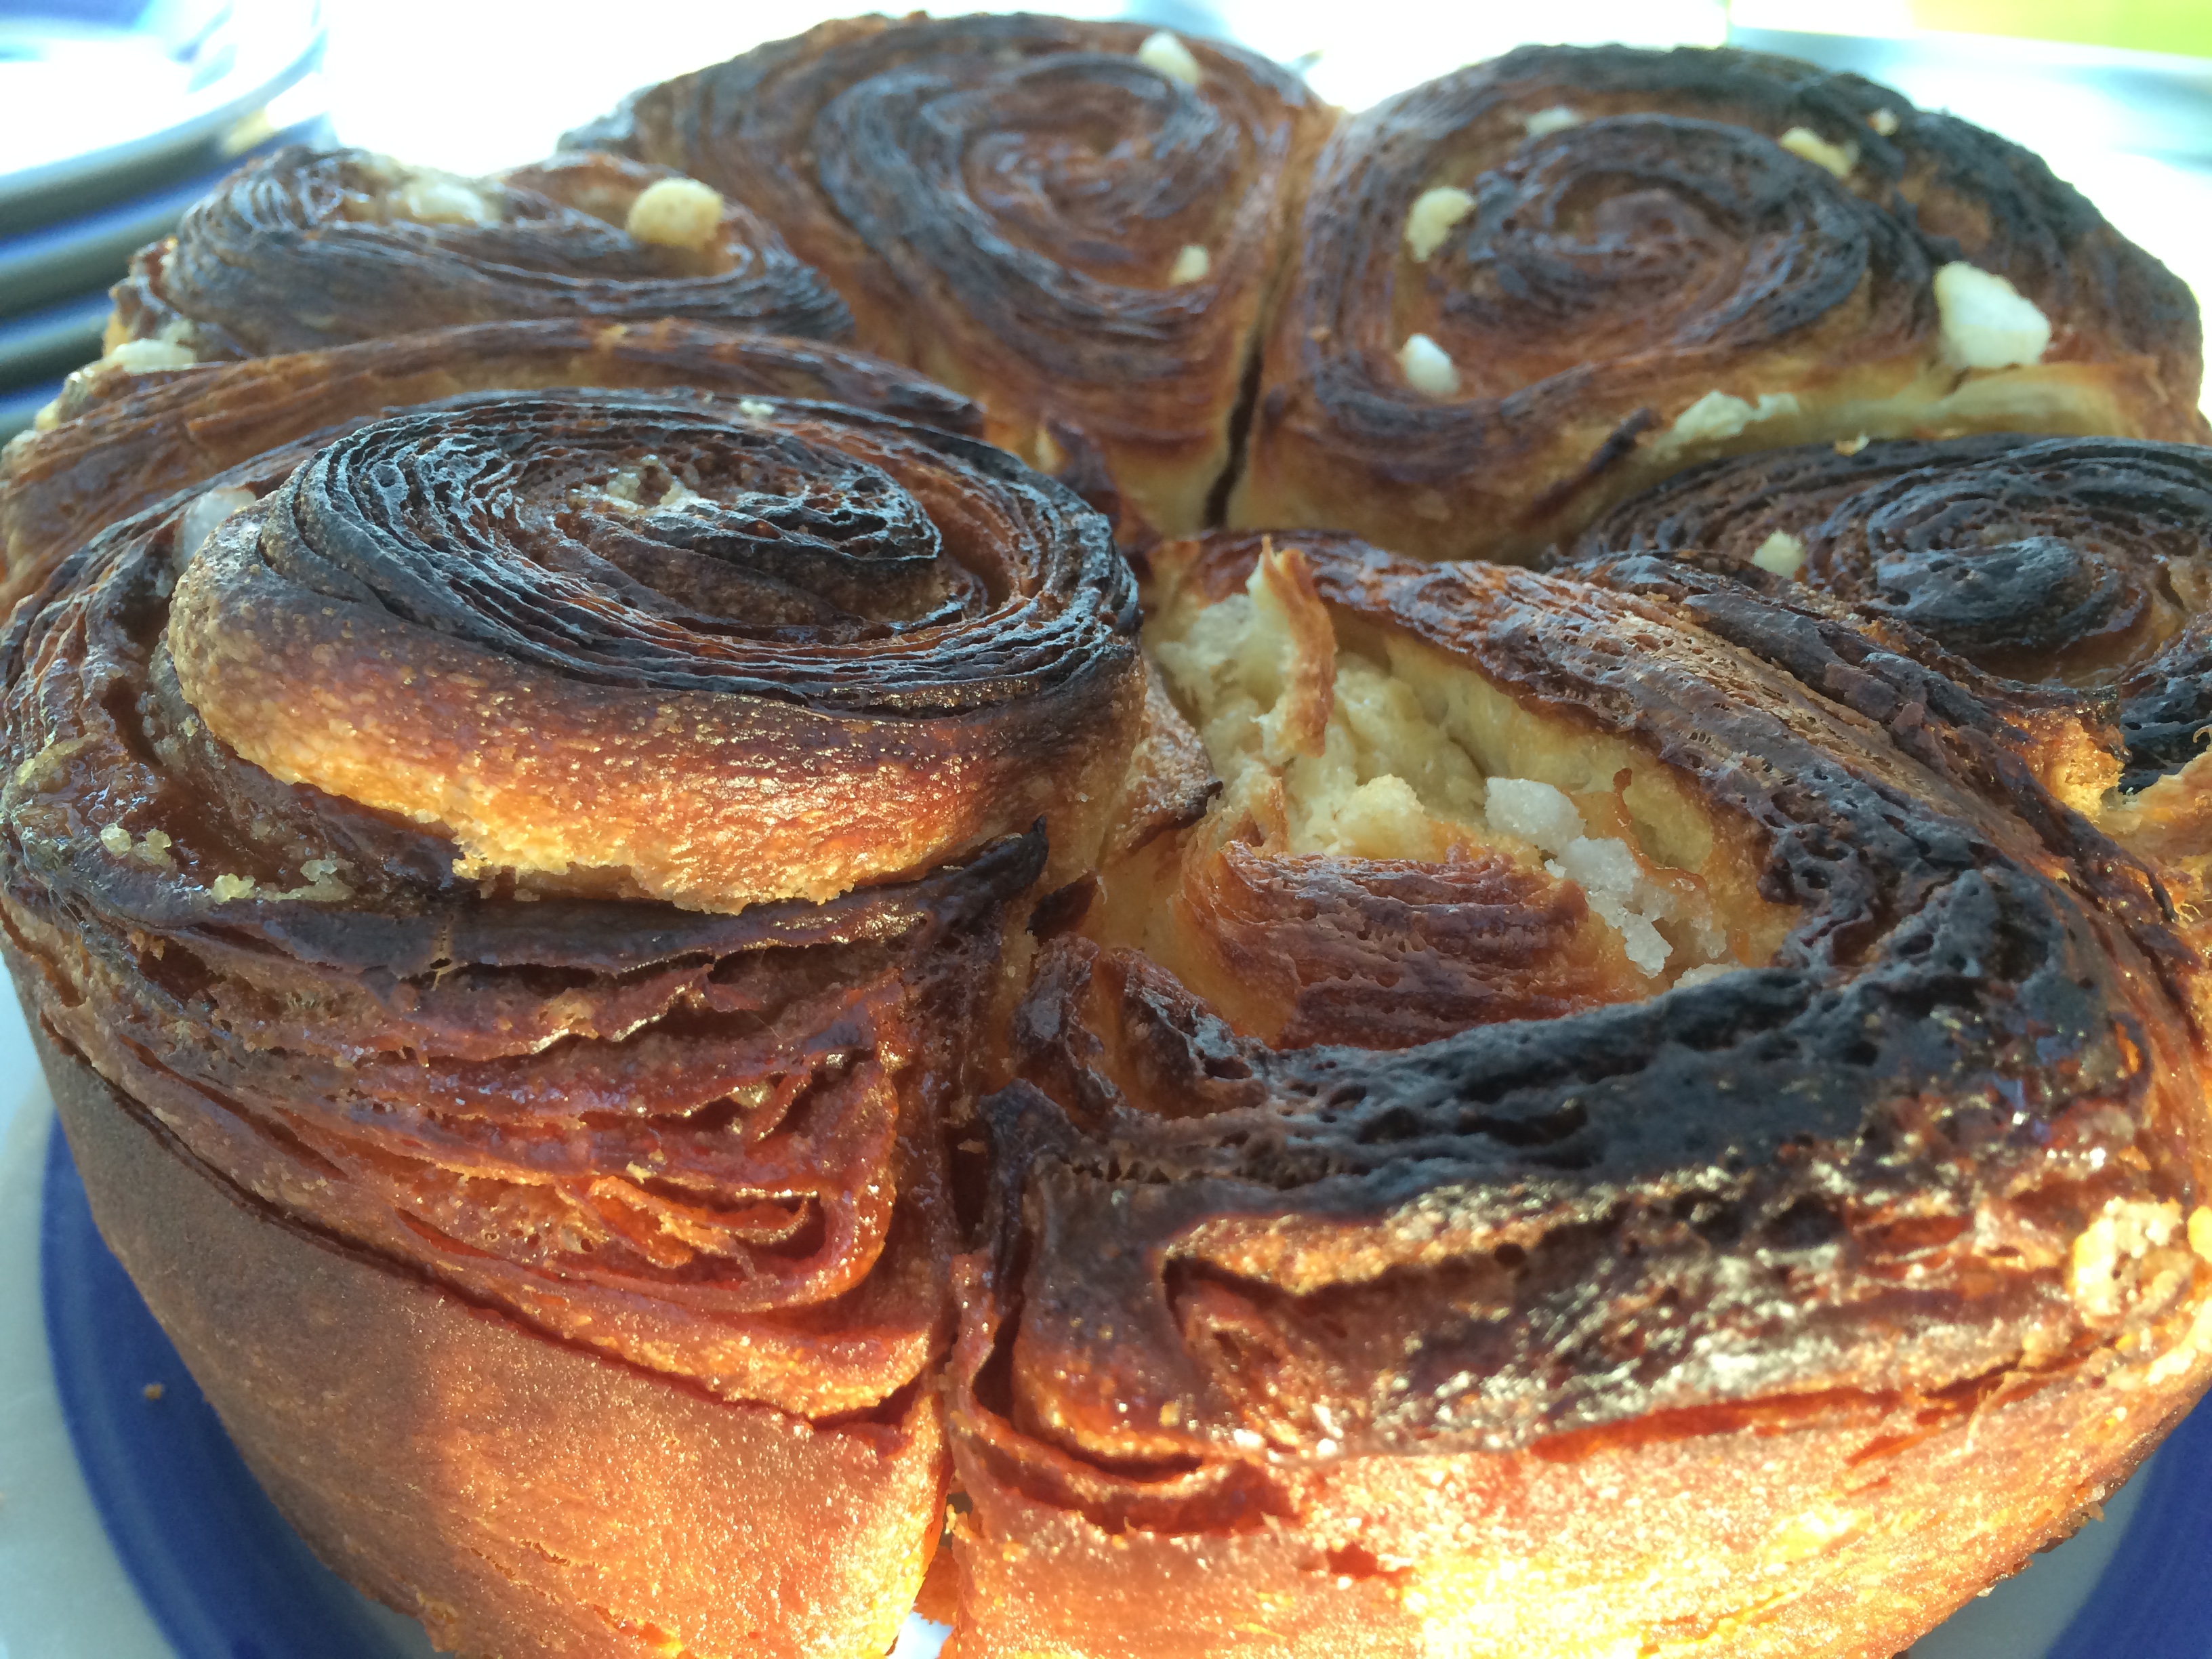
[649, 974]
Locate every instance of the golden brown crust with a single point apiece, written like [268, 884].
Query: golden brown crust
[1004, 201]
[1641, 275]
[704, 1150]
[122, 440]
[307, 249]
[515, 1493]
[1906, 1189]
[629, 649]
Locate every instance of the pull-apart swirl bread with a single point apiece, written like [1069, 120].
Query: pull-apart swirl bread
[1076, 224]
[1530, 288]
[506, 916]
[1653, 1101]
[641, 965]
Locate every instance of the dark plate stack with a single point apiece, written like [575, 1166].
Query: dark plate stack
[118, 115]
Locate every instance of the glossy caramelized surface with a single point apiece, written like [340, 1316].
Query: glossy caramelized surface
[1646, 258]
[1011, 204]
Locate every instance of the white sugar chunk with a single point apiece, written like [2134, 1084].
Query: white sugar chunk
[1190, 265]
[1987, 322]
[1165, 53]
[1428, 367]
[1717, 416]
[439, 198]
[754, 409]
[210, 509]
[1704, 974]
[1434, 213]
[1533, 811]
[1557, 118]
[1613, 881]
[135, 356]
[1838, 159]
[675, 213]
[1782, 553]
[1883, 121]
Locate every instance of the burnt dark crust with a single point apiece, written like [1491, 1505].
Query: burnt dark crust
[2070, 562]
[291, 254]
[711, 1144]
[125, 442]
[1858, 1168]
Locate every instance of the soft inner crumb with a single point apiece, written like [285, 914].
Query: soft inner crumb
[1408, 758]
[1987, 323]
[1165, 53]
[225, 888]
[1782, 553]
[675, 213]
[1428, 366]
[1838, 159]
[1554, 119]
[1191, 265]
[1434, 213]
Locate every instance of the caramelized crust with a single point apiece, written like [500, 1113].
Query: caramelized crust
[1654, 1107]
[1011, 204]
[574, 1134]
[1324, 1346]
[2076, 571]
[121, 441]
[516, 1494]
[309, 249]
[1632, 261]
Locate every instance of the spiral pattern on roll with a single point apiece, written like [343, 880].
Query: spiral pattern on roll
[309, 249]
[1025, 208]
[705, 1142]
[1274, 1251]
[121, 441]
[1527, 288]
[792, 675]
[2070, 561]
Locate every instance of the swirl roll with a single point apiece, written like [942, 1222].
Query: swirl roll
[1077, 224]
[307, 249]
[119, 440]
[484, 1135]
[1529, 289]
[2078, 566]
[1638, 1120]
